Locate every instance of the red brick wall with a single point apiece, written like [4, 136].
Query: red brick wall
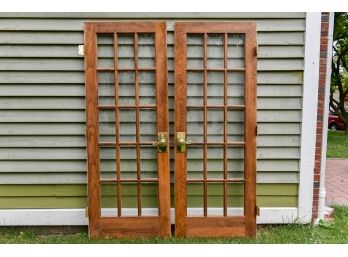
[320, 111]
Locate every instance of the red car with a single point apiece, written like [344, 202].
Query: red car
[335, 123]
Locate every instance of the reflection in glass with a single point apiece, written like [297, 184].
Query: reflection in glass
[105, 50]
[125, 51]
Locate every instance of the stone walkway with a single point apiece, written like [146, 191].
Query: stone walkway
[336, 181]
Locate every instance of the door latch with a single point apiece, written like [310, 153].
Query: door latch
[181, 142]
[162, 142]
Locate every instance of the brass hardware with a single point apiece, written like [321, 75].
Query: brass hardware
[162, 142]
[181, 142]
[86, 212]
[257, 211]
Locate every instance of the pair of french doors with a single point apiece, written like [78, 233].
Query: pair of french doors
[129, 143]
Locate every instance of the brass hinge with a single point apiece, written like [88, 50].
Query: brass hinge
[257, 211]
[86, 212]
[256, 50]
[256, 130]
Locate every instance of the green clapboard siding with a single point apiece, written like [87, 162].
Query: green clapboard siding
[130, 202]
[42, 110]
[62, 196]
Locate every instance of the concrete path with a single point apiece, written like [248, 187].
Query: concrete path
[336, 181]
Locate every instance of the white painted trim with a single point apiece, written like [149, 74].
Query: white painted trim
[278, 216]
[322, 190]
[309, 116]
[76, 217]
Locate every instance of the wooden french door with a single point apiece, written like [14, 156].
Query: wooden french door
[215, 129]
[127, 129]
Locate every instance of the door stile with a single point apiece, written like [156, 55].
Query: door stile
[180, 165]
[92, 132]
[250, 129]
[163, 126]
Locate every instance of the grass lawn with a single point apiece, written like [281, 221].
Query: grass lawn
[335, 232]
[337, 144]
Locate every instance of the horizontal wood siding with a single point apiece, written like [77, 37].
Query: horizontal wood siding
[42, 106]
[65, 196]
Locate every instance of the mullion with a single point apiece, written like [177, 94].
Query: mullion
[125, 69]
[137, 120]
[122, 106]
[129, 180]
[231, 180]
[205, 130]
[234, 143]
[193, 144]
[117, 128]
[126, 143]
[225, 125]
[235, 107]
[215, 69]
[139, 69]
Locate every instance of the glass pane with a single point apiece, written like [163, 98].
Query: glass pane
[215, 93]
[106, 88]
[127, 125]
[126, 85]
[235, 49]
[195, 125]
[147, 87]
[149, 199]
[215, 199]
[146, 50]
[235, 198]
[235, 125]
[195, 51]
[195, 199]
[125, 51]
[215, 162]
[129, 199]
[148, 128]
[107, 162]
[215, 51]
[108, 200]
[128, 162]
[235, 88]
[107, 167]
[107, 127]
[235, 162]
[194, 162]
[215, 125]
[194, 88]
[148, 161]
[105, 50]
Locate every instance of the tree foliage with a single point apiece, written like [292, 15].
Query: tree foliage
[339, 75]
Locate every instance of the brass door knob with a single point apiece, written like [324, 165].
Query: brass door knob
[181, 142]
[162, 142]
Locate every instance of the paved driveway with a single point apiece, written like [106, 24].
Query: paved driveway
[336, 181]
